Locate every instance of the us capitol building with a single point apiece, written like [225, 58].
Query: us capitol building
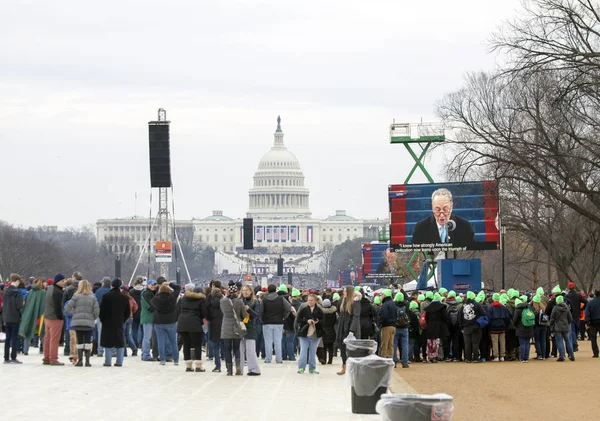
[280, 206]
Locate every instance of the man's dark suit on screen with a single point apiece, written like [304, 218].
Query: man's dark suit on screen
[426, 232]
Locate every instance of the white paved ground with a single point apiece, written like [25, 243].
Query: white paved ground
[148, 391]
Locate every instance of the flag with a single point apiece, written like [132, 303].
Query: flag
[422, 284]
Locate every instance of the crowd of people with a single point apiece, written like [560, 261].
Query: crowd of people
[241, 324]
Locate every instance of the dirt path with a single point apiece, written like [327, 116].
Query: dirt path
[538, 390]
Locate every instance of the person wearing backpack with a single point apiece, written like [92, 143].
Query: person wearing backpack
[453, 342]
[524, 321]
[499, 318]
[437, 328]
[560, 324]
[469, 313]
[414, 332]
[387, 318]
[540, 330]
[402, 324]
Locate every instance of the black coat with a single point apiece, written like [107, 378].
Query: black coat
[329, 320]
[215, 315]
[302, 318]
[165, 306]
[137, 296]
[367, 318]
[114, 311]
[254, 312]
[522, 331]
[191, 312]
[426, 232]
[437, 321]
[576, 301]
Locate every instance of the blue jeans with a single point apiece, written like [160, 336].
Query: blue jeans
[136, 332]
[216, 347]
[128, 335]
[99, 329]
[147, 329]
[539, 334]
[260, 343]
[11, 344]
[563, 338]
[108, 352]
[273, 335]
[402, 335]
[288, 346]
[574, 332]
[308, 350]
[524, 347]
[167, 334]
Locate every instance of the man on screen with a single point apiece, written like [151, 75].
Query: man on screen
[389, 264]
[442, 226]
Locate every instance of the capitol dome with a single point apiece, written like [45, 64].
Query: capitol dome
[278, 190]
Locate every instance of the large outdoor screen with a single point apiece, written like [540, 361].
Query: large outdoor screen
[444, 216]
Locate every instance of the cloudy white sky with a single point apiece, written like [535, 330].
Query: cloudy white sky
[80, 80]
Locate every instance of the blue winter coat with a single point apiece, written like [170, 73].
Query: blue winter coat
[499, 317]
[388, 312]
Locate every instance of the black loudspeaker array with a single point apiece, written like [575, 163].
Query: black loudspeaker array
[290, 278]
[160, 154]
[248, 230]
[280, 267]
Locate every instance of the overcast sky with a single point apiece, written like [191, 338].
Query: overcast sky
[80, 80]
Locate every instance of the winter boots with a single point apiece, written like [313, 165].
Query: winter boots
[229, 369]
[199, 367]
[79, 357]
[188, 366]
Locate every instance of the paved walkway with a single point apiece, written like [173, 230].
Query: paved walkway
[148, 391]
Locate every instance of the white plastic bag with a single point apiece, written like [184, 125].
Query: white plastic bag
[439, 407]
[368, 374]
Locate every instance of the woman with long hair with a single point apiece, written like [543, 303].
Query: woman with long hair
[248, 343]
[540, 330]
[85, 310]
[192, 310]
[234, 311]
[32, 313]
[128, 326]
[309, 329]
[349, 321]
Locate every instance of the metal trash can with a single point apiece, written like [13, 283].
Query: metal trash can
[368, 378]
[358, 348]
[439, 407]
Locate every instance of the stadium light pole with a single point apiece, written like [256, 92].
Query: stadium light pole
[548, 213]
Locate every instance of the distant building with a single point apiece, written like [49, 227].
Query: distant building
[278, 203]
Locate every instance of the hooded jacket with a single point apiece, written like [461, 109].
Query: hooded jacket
[367, 318]
[274, 309]
[136, 293]
[165, 306]
[13, 304]
[84, 310]
[192, 309]
[522, 331]
[469, 313]
[498, 316]
[215, 315]
[329, 321]
[147, 311]
[561, 318]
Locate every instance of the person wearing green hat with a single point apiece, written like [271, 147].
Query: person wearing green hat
[560, 325]
[452, 346]
[437, 328]
[540, 330]
[524, 321]
[387, 319]
[288, 345]
[377, 301]
[470, 312]
[556, 292]
[414, 333]
[421, 298]
[428, 299]
[443, 292]
[512, 342]
[499, 318]
[401, 335]
[274, 309]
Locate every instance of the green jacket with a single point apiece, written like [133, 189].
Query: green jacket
[147, 314]
[35, 302]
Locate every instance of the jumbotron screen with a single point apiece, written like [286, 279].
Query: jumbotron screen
[444, 216]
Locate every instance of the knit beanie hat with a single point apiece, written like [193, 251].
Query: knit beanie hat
[387, 292]
[326, 303]
[429, 294]
[421, 297]
[523, 298]
[536, 298]
[413, 305]
[556, 290]
[283, 288]
[443, 291]
[377, 301]
[560, 299]
[357, 288]
[336, 296]
[437, 297]
[478, 299]
[503, 296]
[540, 291]
[116, 283]
[470, 295]
[296, 293]
[513, 294]
[496, 297]
[232, 288]
[517, 302]
[59, 277]
[452, 294]
[503, 300]
[199, 288]
[458, 300]
[481, 295]
[399, 297]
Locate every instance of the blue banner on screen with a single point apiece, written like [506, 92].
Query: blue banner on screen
[444, 216]
[460, 275]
